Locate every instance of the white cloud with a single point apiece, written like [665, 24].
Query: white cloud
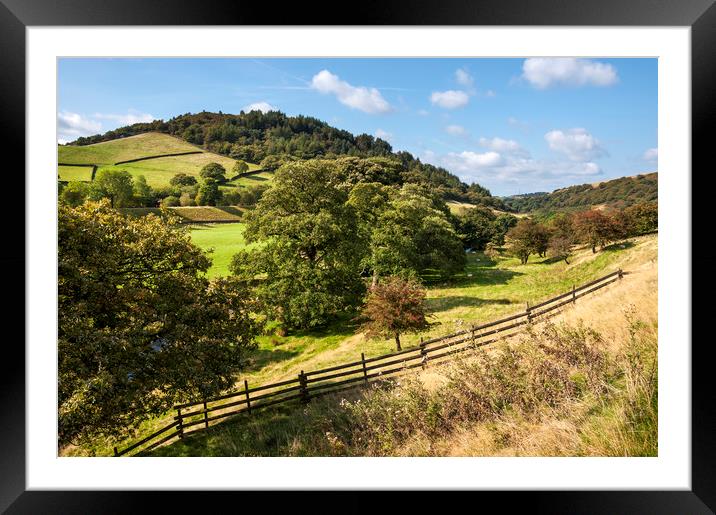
[264, 107]
[506, 146]
[490, 94]
[544, 72]
[456, 130]
[130, 118]
[384, 135]
[71, 126]
[368, 100]
[450, 99]
[464, 78]
[423, 112]
[511, 165]
[651, 154]
[576, 144]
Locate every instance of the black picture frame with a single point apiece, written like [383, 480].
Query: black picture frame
[700, 15]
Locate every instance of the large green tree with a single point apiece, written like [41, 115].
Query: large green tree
[413, 236]
[139, 326]
[213, 171]
[115, 185]
[307, 270]
[477, 227]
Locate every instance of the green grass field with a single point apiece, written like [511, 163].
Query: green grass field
[157, 171]
[133, 147]
[75, 173]
[224, 240]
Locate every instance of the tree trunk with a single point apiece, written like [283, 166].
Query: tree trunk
[594, 249]
[397, 342]
[375, 279]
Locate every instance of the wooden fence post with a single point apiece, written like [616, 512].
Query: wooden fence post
[620, 273]
[423, 352]
[529, 313]
[248, 401]
[365, 372]
[180, 428]
[304, 387]
[574, 294]
[206, 416]
[115, 452]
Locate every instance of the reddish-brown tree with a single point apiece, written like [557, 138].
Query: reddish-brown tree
[394, 306]
[595, 228]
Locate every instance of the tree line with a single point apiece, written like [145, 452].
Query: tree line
[124, 190]
[617, 193]
[595, 228]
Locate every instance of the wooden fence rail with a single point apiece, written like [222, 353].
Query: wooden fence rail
[197, 415]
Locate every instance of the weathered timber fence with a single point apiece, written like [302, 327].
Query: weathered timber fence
[197, 416]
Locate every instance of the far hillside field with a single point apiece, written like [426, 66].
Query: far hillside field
[224, 240]
[158, 170]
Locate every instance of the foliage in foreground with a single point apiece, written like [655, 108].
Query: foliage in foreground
[139, 327]
[553, 378]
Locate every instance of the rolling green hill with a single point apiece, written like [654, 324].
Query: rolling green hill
[617, 193]
[145, 151]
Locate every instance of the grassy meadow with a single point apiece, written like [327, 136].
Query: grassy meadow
[123, 149]
[223, 241]
[75, 173]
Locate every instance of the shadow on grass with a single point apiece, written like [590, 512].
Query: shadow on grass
[482, 276]
[461, 301]
[259, 358]
[622, 245]
[551, 260]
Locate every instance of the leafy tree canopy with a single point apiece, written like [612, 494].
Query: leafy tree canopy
[312, 253]
[139, 326]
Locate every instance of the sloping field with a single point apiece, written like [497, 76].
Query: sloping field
[132, 147]
[156, 170]
[75, 173]
[192, 214]
[257, 179]
[159, 171]
[460, 208]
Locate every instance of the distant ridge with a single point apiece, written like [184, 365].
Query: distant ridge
[616, 193]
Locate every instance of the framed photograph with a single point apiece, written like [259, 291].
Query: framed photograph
[445, 247]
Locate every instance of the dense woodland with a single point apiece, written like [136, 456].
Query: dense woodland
[617, 193]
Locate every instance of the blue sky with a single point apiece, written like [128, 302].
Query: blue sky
[513, 125]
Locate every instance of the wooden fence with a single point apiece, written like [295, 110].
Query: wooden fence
[197, 416]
